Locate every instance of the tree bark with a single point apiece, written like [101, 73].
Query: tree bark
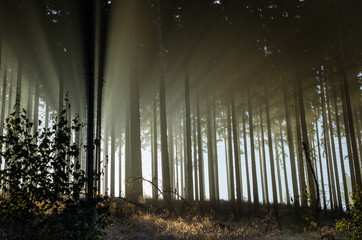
[210, 156]
[200, 152]
[3, 96]
[18, 88]
[154, 151]
[188, 153]
[230, 155]
[284, 163]
[264, 158]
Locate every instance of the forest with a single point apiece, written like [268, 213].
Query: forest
[121, 116]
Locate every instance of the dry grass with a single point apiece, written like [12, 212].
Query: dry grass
[133, 224]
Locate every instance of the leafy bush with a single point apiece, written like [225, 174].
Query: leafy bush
[351, 227]
[43, 185]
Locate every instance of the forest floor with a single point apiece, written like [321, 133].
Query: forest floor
[132, 222]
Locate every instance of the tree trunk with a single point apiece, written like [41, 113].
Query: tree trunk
[278, 170]
[36, 108]
[227, 165]
[290, 147]
[210, 155]
[253, 161]
[200, 152]
[239, 189]
[3, 96]
[271, 156]
[320, 165]
[18, 88]
[334, 159]
[195, 158]
[246, 161]
[284, 163]
[230, 160]
[10, 100]
[261, 168]
[216, 164]
[120, 165]
[105, 162]
[264, 158]
[29, 106]
[113, 161]
[310, 170]
[154, 152]
[188, 153]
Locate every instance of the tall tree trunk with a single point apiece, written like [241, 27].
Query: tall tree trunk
[200, 152]
[253, 161]
[340, 148]
[10, 99]
[36, 108]
[264, 158]
[278, 170]
[261, 168]
[284, 163]
[3, 96]
[320, 164]
[216, 164]
[128, 166]
[332, 194]
[18, 88]
[113, 161]
[171, 152]
[120, 165]
[290, 147]
[239, 189]
[271, 156]
[210, 156]
[105, 162]
[154, 151]
[227, 165]
[312, 184]
[230, 155]
[301, 174]
[334, 159]
[29, 106]
[246, 161]
[188, 153]
[195, 158]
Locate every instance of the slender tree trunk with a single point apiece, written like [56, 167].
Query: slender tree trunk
[200, 152]
[239, 190]
[271, 156]
[120, 165]
[261, 168]
[216, 164]
[230, 155]
[210, 156]
[284, 163]
[36, 108]
[113, 161]
[195, 158]
[29, 106]
[18, 88]
[280, 190]
[154, 151]
[246, 161]
[171, 152]
[320, 165]
[334, 159]
[188, 153]
[348, 140]
[105, 162]
[264, 158]
[128, 166]
[10, 100]
[3, 96]
[332, 194]
[310, 170]
[227, 165]
[302, 184]
[253, 161]
[290, 147]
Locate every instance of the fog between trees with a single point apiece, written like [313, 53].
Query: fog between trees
[246, 101]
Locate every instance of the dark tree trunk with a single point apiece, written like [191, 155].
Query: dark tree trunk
[264, 158]
[154, 151]
[230, 159]
[188, 153]
[210, 156]
[200, 152]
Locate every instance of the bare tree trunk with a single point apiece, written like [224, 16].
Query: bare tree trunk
[210, 155]
[200, 152]
[3, 96]
[227, 165]
[10, 100]
[36, 108]
[284, 163]
[253, 161]
[332, 193]
[105, 162]
[264, 158]
[120, 165]
[320, 165]
[18, 88]
[334, 159]
[29, 106]
[239, 189]
[278, 169]
[271, 156]
[246, 161]
[230, 155]
[261, 168]
[216, 164]
[195, 158]
[188, 153]
[113, 161]
[154, 151]
[291, 147]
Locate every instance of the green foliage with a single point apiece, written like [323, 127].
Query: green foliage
[43, 186]
[351, 226]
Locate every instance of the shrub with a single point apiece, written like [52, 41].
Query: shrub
[43, 185]
[351, 226]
